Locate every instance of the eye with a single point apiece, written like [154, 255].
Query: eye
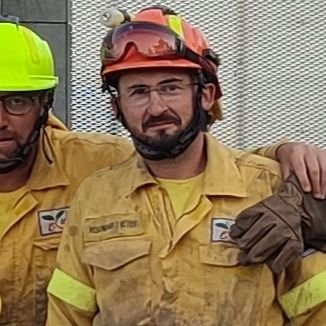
[170, 88]
[139, 91]
[18, 100]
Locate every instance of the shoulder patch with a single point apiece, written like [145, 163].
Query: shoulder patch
[52, 221]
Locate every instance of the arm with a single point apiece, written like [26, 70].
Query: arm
[307, 161]
[302, 290]
[276, 230]
[269, 151]
[71, 295]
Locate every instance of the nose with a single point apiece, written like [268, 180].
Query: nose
[3, 117]
[156, 105]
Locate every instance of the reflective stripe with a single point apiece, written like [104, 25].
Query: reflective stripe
[305, 296]
[71, 291]
[176, 25]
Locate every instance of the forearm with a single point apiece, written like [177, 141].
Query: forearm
[269, 151]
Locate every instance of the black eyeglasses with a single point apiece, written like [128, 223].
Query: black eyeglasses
[18, 104]
[169, 92]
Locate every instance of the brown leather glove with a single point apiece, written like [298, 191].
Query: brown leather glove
[313, 221]
[272, 231]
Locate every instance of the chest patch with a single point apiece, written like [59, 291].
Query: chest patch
[52, 221]
[106, 227]
[220, 228]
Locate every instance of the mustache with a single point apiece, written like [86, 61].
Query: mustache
[4, 135]
[164, 118]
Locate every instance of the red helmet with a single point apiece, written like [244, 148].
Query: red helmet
[157, 38]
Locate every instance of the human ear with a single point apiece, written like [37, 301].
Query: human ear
[208, 96]
[115, 106]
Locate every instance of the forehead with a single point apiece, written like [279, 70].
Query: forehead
[29, 93]
[5, 93]
[152, 77]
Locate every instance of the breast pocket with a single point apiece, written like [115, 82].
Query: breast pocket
[233, 292]
[122, 277]
[45, 252]
[218, 264]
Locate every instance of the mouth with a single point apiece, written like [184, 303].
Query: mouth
[7, 139]
[159, 124]
[6, 143]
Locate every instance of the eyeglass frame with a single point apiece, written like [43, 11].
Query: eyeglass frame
[148, 90]
[23, 95]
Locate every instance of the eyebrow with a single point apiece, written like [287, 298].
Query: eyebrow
[165, 81]
[18, 93]
[170, 80]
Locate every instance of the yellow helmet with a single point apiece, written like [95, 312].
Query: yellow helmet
[26, 61]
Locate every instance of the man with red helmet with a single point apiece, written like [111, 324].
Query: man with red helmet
[152, 41]
[148, 240]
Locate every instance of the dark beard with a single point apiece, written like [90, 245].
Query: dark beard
[161, 142]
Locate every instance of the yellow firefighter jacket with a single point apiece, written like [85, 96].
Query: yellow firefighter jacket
[31, 239]
[124, 261]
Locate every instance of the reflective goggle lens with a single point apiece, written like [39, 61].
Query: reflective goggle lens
[149, 39]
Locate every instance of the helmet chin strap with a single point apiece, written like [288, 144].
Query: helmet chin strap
[198, 123]
[24, 152]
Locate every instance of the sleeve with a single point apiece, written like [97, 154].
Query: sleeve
[71, 294]
[268, 151]
[302, 290]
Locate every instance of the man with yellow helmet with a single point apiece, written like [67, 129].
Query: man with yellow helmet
[148, 241]
[41, 165]
[27, 74]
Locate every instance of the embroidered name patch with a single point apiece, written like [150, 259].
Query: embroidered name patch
[220, 228]
[52, 221]
[106, 227]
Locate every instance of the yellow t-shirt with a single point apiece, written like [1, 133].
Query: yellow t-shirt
[183, 193]
[7, 202]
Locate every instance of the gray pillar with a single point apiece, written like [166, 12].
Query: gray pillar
[49, 19]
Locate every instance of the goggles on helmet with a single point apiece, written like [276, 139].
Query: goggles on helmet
[153, 41]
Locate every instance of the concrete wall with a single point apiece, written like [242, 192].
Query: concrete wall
[49, 18]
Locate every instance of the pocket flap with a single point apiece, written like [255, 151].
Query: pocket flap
[115, 253]
[51, 243]
[219, 255]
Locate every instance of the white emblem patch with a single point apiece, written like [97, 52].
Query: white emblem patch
[52, 221]
[220, 228]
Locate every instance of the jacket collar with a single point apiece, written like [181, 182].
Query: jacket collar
[221, 176]
[49, 174]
